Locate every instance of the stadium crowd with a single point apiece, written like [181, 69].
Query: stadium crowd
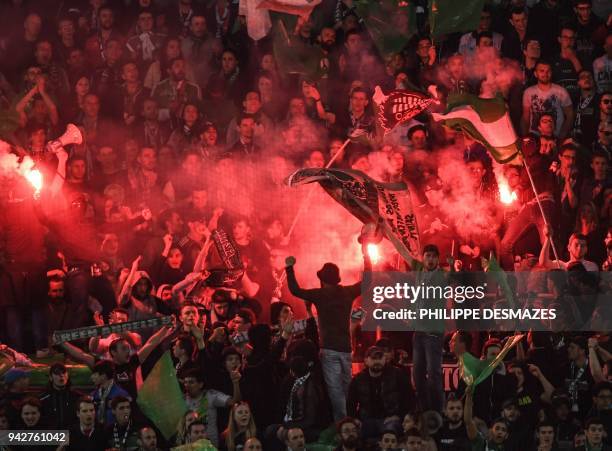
[190, 128]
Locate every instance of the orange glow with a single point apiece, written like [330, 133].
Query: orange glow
[505, 195]
[35, 178]
[373, 253]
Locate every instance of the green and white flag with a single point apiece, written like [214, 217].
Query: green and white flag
[486, 121]
[452, 16]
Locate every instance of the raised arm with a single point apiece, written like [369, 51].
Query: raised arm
[546, 385]
[153, 342]
[79, 354]
[214, 220]
[200, 262]
[237, 395]
[293, 285]
[249, 287]
[468, 416]
[187, 283]
[594, 364]
[23, 104]
[42, 90]
[60, 173]
[545, 261]
[128, 281]
[571, 194]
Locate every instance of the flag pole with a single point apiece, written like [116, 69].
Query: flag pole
[281, 25]
[546, 224]
[306, 201]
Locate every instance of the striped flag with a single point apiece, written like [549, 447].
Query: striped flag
[486, 121]
[399, 106]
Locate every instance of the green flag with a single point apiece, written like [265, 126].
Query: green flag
[474, 371]
[160, 397]
[293, 56]
[484, 120]
[493, 267]
[390, 23]
[451, 16]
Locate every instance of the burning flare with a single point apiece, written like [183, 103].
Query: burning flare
[505, 195]
[373, 252]
[35, 178]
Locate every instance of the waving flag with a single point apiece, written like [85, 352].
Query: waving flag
[399, 106]
[390, 23]
[387, 204]
[225, 263]
[493, 267]
[473, 371]
[293, 55]
[452, 16]
[160, 397]
[484, 120]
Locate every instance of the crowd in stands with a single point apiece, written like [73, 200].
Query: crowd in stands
[189, 128]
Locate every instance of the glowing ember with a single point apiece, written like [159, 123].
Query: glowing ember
[35, 178]
[373, 253]
[505, 195]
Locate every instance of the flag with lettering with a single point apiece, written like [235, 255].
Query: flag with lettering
[387, 204]
[224, 261]
[399, 106]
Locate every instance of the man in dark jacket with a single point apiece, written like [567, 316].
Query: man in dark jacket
[262, 374]
[86, 434]
[379, 396]
[59, 402]
[302, 400]
[334, 303]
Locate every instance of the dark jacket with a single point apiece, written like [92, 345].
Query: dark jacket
[334, 304]
[395, 394]
[261, 380]
[79, 442]
[59, 407]
[310, 406]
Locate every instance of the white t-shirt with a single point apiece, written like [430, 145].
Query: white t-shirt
[602, 72]
[551, 101]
